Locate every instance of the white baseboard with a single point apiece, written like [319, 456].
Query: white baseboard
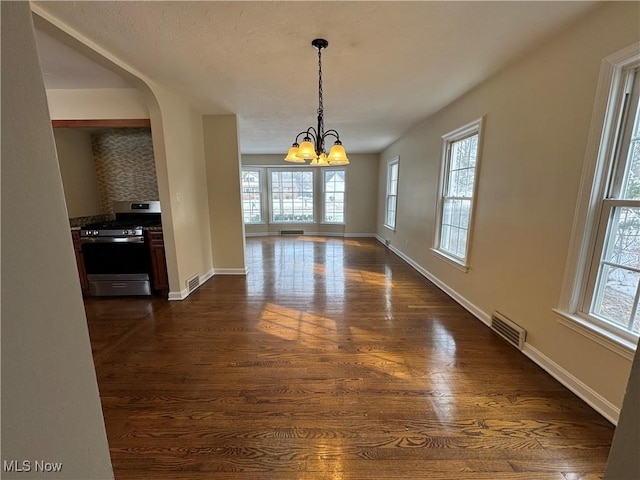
[314, 234]
[174, 296]
[359, 235]
[470, 307]
[579, 388]
[596, 401]
[182, 294]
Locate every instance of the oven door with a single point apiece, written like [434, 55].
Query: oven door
[117, 266]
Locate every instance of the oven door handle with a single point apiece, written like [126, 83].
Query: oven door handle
[136, 239]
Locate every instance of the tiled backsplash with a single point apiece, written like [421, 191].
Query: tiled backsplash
[125, 166]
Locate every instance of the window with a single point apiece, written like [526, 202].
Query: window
[251, 196]
[456, 192]
[334, 196]
[601, 292]
[612, 287]
[292, 196]
[392, 194]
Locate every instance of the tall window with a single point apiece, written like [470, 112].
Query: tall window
[392, 194]
[601, 291]
[613, 291]
[251, 196]
[292, 196]
[457, 189]
[334, 196]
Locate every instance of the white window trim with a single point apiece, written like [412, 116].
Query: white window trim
[324, 213]
[390, 163]
[261, 173]
[270, 195]
[447, 139]
[584, 228]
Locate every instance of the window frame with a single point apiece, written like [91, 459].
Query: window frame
[466, 131]
[324, 196]
[588, 230]
[260, 172]
[391, 225]
[313, 195]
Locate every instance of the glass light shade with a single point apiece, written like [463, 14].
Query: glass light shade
[292, 157]
[320, 161]
[337, 155]
[307, 150]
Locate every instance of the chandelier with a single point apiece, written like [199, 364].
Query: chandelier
[312, 146]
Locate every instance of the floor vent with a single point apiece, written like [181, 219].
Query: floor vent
[291, 232]
[193, 283]
[512, 333]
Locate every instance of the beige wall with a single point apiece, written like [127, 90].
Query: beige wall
[96, 104]
[182, 184]
[50, 403]
[361, 192]
[537, 115]
[222, 153]
[77, 167]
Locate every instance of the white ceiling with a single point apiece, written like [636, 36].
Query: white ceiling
[388, 64]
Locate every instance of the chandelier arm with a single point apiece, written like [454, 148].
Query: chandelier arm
[332, 133]
[309, 132]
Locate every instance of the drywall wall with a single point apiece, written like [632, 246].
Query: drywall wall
[537, 114]
[222, 152]
[96, 104]
[50, 404]
[77, 167]
[182, 184]
[360, 198]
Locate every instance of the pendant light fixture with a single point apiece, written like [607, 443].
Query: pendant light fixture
[312, 145]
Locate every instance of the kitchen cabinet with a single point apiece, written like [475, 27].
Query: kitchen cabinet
[82, 271]
[159, 276]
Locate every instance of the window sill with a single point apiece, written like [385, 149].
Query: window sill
[450, 260]
[617, 344]
[293, 223]
[393, 229]
[340, 224]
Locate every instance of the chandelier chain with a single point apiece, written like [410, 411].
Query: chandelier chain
[320, 105]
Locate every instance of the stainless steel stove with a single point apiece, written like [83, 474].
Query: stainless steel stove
[116, 256]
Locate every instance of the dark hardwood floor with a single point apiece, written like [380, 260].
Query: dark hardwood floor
[332, 359]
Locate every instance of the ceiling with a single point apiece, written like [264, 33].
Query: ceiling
[388, 65]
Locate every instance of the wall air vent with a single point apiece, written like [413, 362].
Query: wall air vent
[193, 283]
[291, 232]
[512, 333]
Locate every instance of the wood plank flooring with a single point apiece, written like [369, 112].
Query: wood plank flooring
[332, 359]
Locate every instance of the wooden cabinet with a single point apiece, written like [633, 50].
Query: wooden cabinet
[82, 271]
[159, 276]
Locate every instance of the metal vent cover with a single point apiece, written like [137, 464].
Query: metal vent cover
[291, 232]
[510, 331]
[193, 283]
